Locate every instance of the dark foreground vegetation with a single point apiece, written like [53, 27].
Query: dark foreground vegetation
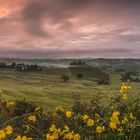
[22, 120]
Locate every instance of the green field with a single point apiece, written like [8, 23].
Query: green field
[48, 90]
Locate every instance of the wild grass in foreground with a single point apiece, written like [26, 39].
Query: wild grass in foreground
[23, 120]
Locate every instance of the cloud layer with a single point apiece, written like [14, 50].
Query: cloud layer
[69, 28]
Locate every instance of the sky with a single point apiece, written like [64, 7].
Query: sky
[70, 28]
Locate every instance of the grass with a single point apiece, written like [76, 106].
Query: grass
[48, 90]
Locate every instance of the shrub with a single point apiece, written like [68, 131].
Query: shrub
[131, 76]
[126, 77]
[23, 107]
[80, 76]
[86, 71]
[65, 78]
[104, 79]
[78, 63]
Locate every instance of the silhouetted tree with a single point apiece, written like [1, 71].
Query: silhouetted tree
[79, 75]
[126, 77]
[104, 79]
[13, 65]
[65, 78]
[136, 80]
[78, 63]
[3, 65]
[131, 76]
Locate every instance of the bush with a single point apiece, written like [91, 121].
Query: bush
[86, 71]
[136, 80]
[23, 107]
[104, 79]
[131, 76]
[65, 78]
[126, 77]
[80, 76]
[78, 63]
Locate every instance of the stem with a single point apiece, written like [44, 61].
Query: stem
[13, 119]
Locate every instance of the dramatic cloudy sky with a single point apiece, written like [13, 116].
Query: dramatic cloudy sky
[70, 28]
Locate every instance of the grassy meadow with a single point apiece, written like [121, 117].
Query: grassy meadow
[48, 90]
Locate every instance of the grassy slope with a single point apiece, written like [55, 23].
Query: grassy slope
[46, 88]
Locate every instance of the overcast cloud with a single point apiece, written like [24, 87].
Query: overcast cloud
[70, 28]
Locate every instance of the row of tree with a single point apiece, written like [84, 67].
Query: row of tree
[21, 66]
[104, 79]
[130, 76]
[78, 63]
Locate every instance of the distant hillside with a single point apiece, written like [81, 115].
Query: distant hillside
[65, 62]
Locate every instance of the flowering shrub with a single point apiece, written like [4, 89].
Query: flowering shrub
[25, 121]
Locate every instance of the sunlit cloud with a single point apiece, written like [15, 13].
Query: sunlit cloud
[4, 13]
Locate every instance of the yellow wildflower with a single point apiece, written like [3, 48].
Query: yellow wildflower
[112, 125]
[124, 89]
[97, 115]
[125, 97]
[10, 104]
[125, 120]
[121, 91]
[68, 136]
[18, 138]
[85, 117]
[90, 122]
[66, 128]
[76, 137]
[103, 128]
[2, 134]
[25, 138]
[99, 129]
[50, 137]
[116, 113]
[120, 129]
[59, 131]
[55, 134]
[9, 130]
[68, 114]
[32, 118]
[52, 128]
[132, 117]
[22, 138]
[59, 109]
[115, 119]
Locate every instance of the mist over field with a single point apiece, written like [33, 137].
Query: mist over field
[64, 63]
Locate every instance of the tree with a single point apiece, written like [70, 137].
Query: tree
[13, 65]
[79, 75]
[131, 76]
[104, 79]
[78, 63]
[126, 77]
[65, 78]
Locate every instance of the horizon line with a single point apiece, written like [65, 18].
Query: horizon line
[125, 58]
